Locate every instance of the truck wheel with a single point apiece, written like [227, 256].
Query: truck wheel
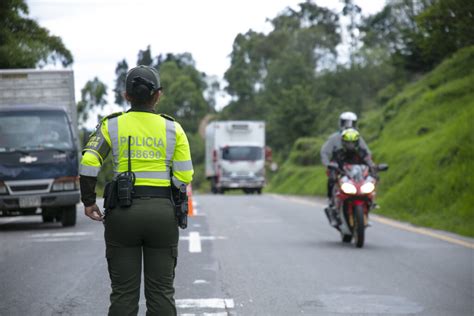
[68, 217]
[213, 186]
[49, 214]
[47, 218]
[259, 190]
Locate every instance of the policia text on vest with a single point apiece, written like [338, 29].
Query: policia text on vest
[145, 202]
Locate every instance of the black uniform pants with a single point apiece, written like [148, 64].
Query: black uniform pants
[147, 231]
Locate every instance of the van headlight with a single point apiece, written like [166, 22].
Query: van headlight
[66, 184]
[367, 188]
[260, 173]
[348, 188]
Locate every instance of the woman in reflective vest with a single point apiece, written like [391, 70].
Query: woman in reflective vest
[160, 157]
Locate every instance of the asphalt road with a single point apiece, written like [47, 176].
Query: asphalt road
[248, 255]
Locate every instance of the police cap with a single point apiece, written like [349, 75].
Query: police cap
[142, 75]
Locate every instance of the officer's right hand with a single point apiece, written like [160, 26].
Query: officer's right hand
[93, 212]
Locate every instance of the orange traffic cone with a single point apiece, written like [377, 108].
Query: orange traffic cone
[190, 200]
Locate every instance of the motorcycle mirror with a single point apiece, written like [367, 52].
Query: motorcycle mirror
[382, 167]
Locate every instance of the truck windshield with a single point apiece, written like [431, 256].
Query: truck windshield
[34, 130]
[235, 153]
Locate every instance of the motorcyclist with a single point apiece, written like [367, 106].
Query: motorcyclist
[350, 152]
[334, 143]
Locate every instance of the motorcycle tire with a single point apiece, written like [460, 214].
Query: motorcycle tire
[358, 230]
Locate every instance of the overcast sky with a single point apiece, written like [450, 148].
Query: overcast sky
[100, 33]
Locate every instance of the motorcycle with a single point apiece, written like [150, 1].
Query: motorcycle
[353, 197]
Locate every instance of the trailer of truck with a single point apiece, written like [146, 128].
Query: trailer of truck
[235, 155]
[39, 155]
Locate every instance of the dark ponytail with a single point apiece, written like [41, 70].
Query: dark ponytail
[142, 91]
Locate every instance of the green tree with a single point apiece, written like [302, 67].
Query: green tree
[144, 57]
[25, 44]
[93, 96]
[446, 26]
[395, 30]
[121, 74]
[353, 11]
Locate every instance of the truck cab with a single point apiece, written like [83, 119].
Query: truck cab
[39, 156]
[235, 156]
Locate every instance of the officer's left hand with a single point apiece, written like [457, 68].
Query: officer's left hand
[93, 212]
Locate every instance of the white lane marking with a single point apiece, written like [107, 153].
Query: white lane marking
[57, 239]
[205, 303]
[396, 224]
[194, 242]
[200, 282]
[205, 237]
[195, 239]
[207, 314]
[69, 234]
[197, 225]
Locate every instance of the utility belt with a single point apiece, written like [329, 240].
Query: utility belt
[114, 194]
[122, 193]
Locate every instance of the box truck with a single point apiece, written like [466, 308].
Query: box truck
[235, 155]
[39, 147]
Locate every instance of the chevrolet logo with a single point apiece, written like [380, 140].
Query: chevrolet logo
[28, 159]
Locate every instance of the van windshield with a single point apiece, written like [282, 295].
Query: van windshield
[34, 130]
[236, 153]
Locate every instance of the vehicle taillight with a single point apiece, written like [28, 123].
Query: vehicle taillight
[214, 155]
[66, 184]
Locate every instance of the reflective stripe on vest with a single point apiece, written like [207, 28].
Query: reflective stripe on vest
[89, 171]
[170, 141]
[113, 134]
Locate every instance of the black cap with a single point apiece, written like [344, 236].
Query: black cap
[144, 75]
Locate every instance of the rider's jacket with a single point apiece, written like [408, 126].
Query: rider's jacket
[358, 156]
[333, 144]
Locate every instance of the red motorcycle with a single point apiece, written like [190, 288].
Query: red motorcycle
[353, 199]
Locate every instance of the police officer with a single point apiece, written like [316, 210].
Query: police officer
[159, 158]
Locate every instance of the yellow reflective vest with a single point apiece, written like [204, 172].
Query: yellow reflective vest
[159, 148]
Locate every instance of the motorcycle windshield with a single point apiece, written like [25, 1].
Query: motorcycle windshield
[356, 172]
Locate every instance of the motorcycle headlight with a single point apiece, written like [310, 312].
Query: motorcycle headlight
[348, 188]
[367, 188]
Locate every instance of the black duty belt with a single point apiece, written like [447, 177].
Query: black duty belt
[149, 191]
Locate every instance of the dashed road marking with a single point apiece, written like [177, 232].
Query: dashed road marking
[200, 282]
[194, 242]
[217, 303]
[195, 238]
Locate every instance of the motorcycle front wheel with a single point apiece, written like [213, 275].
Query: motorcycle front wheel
[358, 231]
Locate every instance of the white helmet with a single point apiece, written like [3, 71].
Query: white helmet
[347, 120]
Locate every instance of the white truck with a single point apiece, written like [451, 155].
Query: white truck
[235, 155]
[39, 147]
